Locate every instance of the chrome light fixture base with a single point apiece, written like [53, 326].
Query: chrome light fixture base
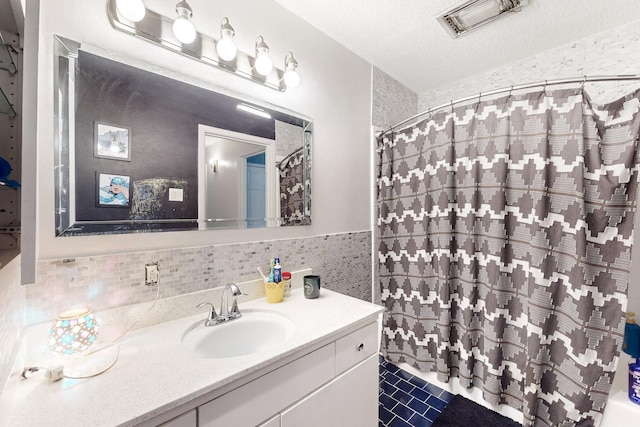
[157, 29]
[474, 14]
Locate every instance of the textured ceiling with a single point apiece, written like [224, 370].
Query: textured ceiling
[403, 39]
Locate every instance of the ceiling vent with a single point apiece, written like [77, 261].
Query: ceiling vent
[476, 13]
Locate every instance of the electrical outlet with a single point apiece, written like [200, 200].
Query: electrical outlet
[151, 274]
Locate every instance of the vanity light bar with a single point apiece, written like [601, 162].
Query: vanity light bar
[158, 29]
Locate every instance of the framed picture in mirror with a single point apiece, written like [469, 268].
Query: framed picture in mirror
[113, 190]
[112, 142]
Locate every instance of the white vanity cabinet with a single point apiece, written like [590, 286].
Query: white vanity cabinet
[335, 385]
[344, 402]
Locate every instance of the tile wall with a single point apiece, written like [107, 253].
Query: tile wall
[611, 52]
[342, 260]
[392, 101]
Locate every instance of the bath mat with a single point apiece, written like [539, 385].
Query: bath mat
[462, 412]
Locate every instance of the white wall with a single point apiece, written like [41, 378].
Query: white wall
[335, 92]
[12, 297]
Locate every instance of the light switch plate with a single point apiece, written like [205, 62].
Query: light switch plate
[176, 195]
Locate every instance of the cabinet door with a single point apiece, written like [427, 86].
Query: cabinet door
[349, 400]
[263, 397]
[187, 419]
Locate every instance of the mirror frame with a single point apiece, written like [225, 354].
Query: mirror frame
[66, 54]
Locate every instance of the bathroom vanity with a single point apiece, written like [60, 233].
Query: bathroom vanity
[324, 373]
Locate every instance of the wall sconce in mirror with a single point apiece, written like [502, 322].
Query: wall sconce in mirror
[253, 110]
[181, 36]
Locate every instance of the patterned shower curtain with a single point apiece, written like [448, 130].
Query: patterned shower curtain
[505, 232]
[295, 187]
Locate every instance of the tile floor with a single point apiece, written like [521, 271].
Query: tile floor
[406, 400]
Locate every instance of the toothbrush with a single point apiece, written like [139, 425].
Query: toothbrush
[265, 278]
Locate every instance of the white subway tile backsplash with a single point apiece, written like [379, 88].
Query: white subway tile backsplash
[108, 281]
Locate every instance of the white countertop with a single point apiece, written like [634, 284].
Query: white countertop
[156, 373]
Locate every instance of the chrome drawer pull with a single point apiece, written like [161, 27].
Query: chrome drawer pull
[360, 347]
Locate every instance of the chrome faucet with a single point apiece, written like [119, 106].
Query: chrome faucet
[227, 311]
[212, 319]
[233, 312]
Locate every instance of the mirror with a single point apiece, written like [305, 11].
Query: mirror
[136, 151]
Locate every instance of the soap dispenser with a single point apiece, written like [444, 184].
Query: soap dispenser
[631, 346]
[631, 342]
[634, 381]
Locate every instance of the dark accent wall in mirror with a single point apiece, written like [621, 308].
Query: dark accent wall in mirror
[150, 153]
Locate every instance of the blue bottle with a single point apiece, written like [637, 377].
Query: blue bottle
[631, 341]
[277, 270]
[634, 381]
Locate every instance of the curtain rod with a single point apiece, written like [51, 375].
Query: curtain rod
[584, 79]
[288, 156]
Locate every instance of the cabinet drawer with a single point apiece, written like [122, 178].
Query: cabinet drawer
[356, 347]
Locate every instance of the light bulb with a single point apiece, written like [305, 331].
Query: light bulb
[133, 10]
[225, 47]
[263, 64]
[291, 77]
[183, 28]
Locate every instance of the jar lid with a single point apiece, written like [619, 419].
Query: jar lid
[286, 275]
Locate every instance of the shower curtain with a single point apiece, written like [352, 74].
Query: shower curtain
[295, 187]
[505, 232]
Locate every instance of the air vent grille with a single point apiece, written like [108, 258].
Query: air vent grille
[476, 13]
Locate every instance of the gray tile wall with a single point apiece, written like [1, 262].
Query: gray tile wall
[610, 52]
[392, 101]
[342, 260]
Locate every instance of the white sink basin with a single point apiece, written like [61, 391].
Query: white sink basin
[255, 331]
